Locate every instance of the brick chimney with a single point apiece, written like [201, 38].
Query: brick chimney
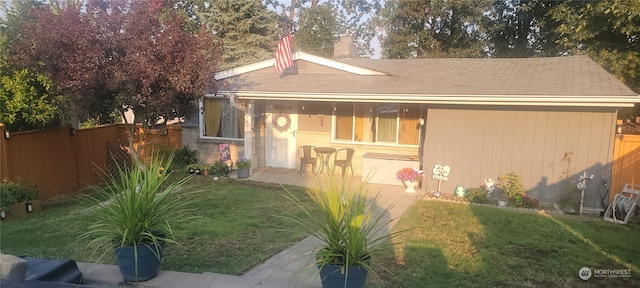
[345, 48]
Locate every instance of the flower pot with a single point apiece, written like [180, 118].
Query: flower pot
[333, 276]
[148, 263]
[243, 173]
[411, 186]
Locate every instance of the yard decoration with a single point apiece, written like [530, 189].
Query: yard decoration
[136, 211]
[349, 230]
[440, 173]
[281, 122]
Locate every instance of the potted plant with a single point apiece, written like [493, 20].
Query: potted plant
[243, 165]
[194, 168]
[135, 214]
[349, 230]
[206, 169]
[410, 178]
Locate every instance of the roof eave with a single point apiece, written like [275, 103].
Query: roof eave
[502, 100]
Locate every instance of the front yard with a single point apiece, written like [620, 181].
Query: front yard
[458, 245]
[448, 244]
[239, 228]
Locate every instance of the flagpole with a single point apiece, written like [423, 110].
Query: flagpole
[291, 11]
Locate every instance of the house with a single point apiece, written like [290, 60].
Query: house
[480, 117]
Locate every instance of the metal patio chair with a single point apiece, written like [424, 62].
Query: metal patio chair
[306, 154]
[343, 159]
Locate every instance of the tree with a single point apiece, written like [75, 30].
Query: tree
[608, 32]
[318, 30]
[419, 29]
[120, 55]
[354, 17]
[247, 28]
[28, 101]
[519, 28]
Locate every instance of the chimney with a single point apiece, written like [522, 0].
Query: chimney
[345, 48]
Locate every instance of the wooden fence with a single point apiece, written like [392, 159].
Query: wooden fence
[626, 163]
[62, 160]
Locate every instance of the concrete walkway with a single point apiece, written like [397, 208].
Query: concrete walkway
[289, 268]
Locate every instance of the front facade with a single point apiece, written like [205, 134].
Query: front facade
[481, 117]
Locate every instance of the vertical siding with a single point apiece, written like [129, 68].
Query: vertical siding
[478, 144]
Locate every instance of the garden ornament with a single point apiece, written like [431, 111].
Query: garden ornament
[489, 185]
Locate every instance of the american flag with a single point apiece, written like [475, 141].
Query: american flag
[283, 58]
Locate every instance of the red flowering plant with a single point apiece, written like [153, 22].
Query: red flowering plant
[409, 174]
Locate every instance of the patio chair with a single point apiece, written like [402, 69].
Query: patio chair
[307, 156]
[624, 205]
[343, 159]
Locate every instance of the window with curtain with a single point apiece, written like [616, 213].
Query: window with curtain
[377, 123]
[221, 119]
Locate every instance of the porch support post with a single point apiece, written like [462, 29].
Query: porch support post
[248, 133]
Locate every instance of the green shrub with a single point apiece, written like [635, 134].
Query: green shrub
[182, 158]
[530, 202]
[218, 169]
[513, 188]
[476, 195]
[12, 193]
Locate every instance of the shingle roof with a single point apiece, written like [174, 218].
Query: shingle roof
[557, 76]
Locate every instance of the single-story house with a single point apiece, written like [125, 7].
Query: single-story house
[480, 117]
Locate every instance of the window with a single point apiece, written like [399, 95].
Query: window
[221, 120]
[377, 123]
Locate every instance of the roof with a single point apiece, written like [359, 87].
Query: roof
[555, 81]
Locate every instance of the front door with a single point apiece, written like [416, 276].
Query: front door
[282, 125]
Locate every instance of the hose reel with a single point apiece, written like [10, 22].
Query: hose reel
[624, 205]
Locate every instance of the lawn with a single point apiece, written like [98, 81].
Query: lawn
[448, 244]
[458, 245]
[239, 229]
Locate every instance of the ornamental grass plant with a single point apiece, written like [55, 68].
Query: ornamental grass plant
[351, 226]
[139, 207]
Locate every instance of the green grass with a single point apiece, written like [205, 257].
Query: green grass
[449, 244]
[458, 245]
[239, 228]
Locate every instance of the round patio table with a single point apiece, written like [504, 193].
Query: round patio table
[324, 154]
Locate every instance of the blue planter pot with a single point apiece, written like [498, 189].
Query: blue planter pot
[148, 262]
[332, 277]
